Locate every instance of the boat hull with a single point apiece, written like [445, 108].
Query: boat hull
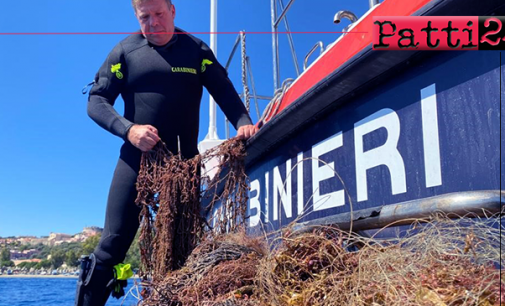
[429, 129]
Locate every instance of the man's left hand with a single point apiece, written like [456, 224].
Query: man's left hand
[246, 131]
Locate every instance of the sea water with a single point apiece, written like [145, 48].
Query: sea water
[49, 292]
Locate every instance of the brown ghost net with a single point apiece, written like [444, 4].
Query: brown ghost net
[437, 261]
[170, 189]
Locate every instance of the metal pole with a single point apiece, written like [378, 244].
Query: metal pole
[290, 38]
[284, 11]
[212, 134]
[455, 205]
[235, 45]
[373, 3]
[275, 44]
[266, 98]
[227, 124]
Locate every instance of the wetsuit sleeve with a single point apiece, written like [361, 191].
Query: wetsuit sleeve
[109, 82]
[215, 79]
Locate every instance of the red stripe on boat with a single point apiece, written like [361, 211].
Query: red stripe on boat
[347, 47]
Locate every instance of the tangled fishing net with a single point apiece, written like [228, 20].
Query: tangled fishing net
[218, 270]
[438, 261]
[443, 262]
[170, 189]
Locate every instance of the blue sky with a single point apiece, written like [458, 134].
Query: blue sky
[56, 163]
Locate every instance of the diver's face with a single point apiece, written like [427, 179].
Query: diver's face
[156, 19]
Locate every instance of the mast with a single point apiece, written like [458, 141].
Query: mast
[212, 139]
[212, 133]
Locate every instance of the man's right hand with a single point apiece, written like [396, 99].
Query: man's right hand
[144, 137]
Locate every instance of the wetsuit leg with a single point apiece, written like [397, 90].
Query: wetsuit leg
[122, 216]
[121, 225]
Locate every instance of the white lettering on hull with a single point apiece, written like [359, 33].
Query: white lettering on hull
[324, 172]
[431, 142]
[299, 184]
[285, 194]
[254, 203]
[266, 197]
[387, 154]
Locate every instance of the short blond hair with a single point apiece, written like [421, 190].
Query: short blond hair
[137, 2]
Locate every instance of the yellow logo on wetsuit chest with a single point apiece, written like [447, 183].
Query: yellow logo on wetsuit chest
[115, 69]
[205, 62]
[184, 70]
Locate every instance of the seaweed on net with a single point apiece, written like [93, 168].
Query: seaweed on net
[169, 192]
[440, 261]
[444, 262]
[433, 265]
[220, 271]
[229, 186]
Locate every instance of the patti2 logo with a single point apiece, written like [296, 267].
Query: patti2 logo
[439, 33]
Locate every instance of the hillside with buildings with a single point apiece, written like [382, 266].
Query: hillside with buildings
[56, 253]
[53, 238]
[38, 255]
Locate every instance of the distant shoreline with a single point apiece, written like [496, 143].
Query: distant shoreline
[136, 277]
[37, 276]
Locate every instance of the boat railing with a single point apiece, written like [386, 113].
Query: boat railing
[321, 47]
[276, 20]
[373, 3]
[473, 204]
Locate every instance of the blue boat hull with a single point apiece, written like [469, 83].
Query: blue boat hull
[431, 128]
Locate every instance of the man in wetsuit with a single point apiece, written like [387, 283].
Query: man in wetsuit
[159, 74]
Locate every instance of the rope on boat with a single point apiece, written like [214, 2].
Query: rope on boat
[274, 104]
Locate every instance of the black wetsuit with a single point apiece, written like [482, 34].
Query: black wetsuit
[161, 86]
